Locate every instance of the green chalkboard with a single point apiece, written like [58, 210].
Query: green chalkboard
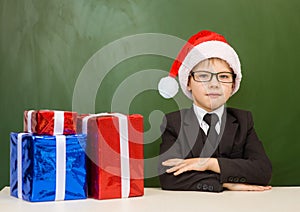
[99, 55]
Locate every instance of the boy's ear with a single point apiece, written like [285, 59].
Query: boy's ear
[233, 86]
[188, 84]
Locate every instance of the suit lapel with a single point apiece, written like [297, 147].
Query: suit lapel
[192, 133]
[228, 130]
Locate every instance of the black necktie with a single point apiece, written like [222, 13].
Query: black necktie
[212, 135]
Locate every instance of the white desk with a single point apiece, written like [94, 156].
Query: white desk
[281, 199]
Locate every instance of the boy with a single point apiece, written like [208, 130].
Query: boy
[209, 147]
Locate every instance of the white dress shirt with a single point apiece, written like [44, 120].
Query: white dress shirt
[200, 113]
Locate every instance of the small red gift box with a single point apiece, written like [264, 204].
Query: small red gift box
[50, 122]
[115, 155]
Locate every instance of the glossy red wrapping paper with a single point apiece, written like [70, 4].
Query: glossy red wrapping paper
[42, 122]
[104, 159]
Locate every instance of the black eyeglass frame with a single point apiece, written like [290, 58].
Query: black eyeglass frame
[192, 73]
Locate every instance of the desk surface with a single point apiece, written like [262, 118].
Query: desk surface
[283, 199]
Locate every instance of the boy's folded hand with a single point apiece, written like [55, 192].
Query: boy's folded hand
[182, 165]
[245, 187]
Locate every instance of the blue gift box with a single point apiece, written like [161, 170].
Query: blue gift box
[51, 167]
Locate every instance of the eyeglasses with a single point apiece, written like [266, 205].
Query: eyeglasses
[206, 76]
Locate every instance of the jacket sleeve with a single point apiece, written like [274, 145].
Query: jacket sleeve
[174, 146]
[251, 165]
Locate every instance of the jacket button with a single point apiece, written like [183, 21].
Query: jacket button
[230, 179]
[199, 186]
[242, 180]
[210, 188]
[236, 179]
[204, 187]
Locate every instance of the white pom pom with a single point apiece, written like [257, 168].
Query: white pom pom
[168, 87]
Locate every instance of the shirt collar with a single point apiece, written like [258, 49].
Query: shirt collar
[200, 112]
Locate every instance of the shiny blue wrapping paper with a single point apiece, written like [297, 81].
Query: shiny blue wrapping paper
[39, 167]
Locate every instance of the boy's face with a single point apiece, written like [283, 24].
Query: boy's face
[212, 94]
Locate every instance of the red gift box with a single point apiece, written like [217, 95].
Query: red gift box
[115, 155]
[50, 122]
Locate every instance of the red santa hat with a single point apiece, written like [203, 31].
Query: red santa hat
[201, 46]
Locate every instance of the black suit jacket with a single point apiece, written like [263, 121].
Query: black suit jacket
[240, 153]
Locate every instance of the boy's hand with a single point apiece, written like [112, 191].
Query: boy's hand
[196, 164]
[245, 187]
